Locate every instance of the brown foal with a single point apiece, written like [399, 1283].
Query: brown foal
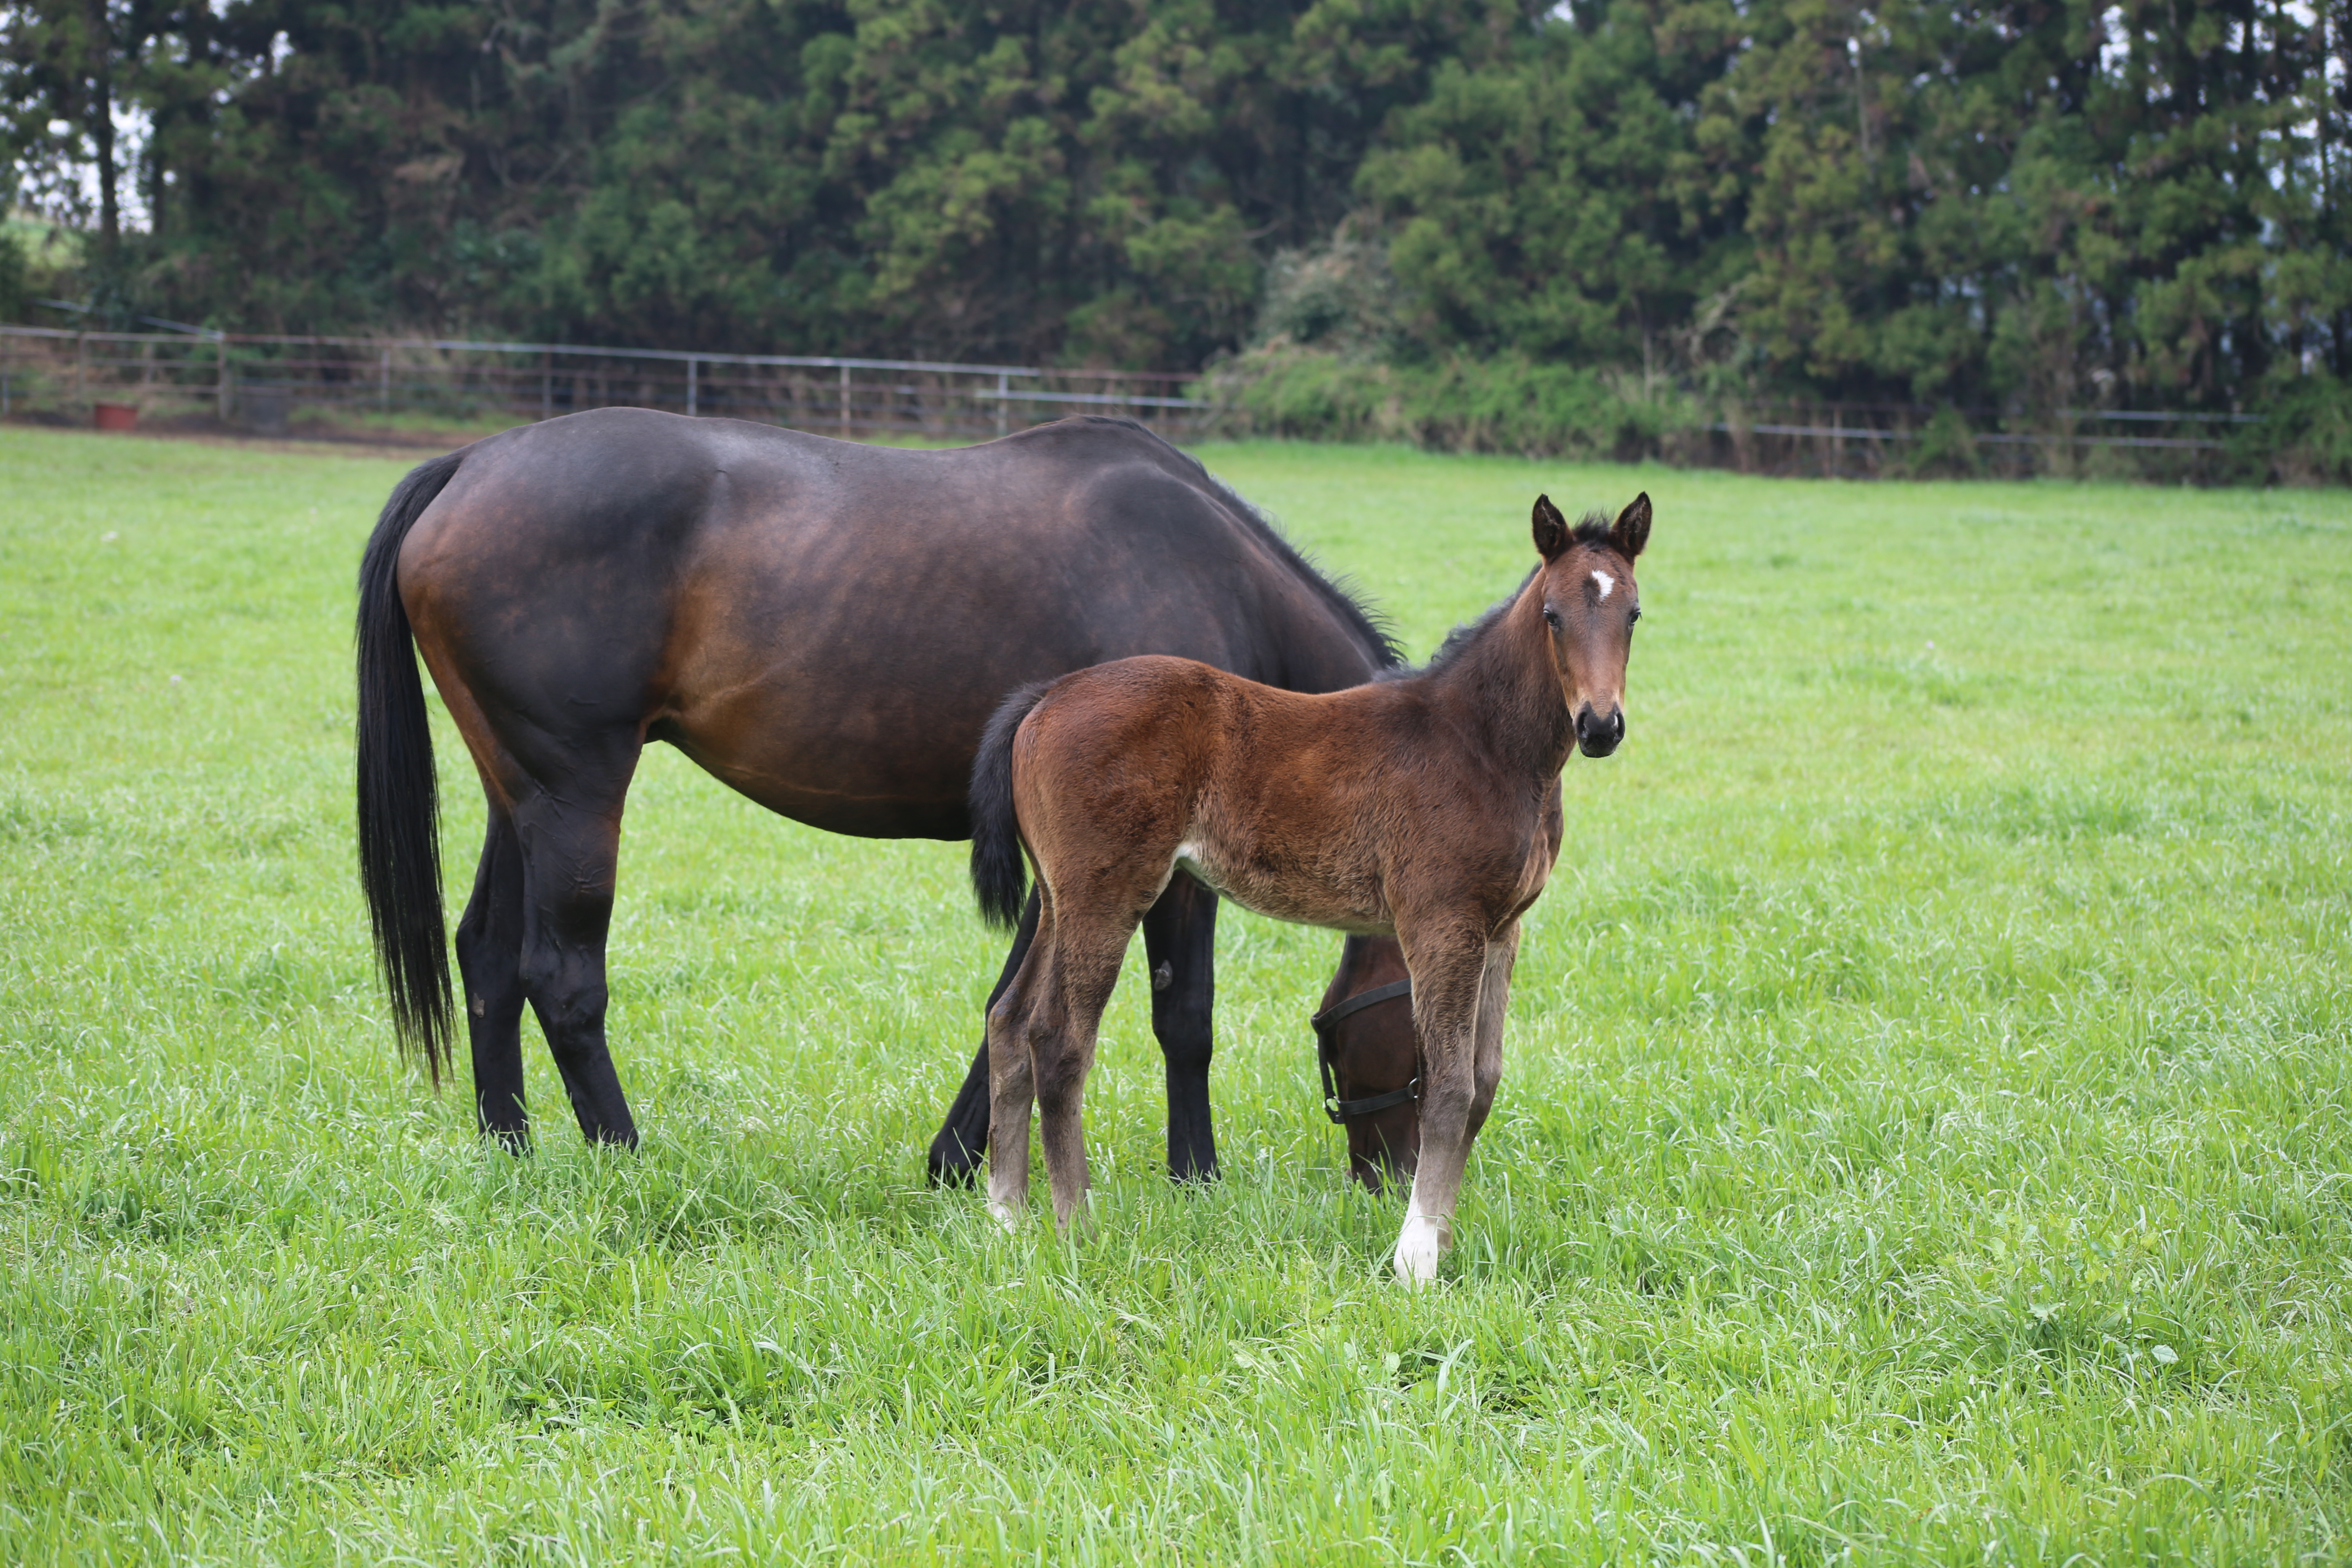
[1424, 807]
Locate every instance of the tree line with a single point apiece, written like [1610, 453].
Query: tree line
[1335, 206]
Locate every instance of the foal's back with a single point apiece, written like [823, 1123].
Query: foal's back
[1299, 806]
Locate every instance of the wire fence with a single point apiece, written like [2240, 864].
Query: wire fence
[1866, 440]
[394, 388]
[359, 385]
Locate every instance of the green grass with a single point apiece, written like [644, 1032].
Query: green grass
[1924, 1135]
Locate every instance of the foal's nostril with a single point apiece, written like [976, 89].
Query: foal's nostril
[1598, 736]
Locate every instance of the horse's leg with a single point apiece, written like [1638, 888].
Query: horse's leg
[490, 958]
[963, 1137]
[1449, 969]
[1180, 943]
[1494, 1008]
[571, 839]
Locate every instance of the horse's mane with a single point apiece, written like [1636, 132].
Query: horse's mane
[1339, 592]
[1594, 530]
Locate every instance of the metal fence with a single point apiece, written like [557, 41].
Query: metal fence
[354, 385]
[389, 388]
[1859, 440]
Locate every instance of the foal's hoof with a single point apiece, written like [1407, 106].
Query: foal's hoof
[1006, 1216]
[1424, 1240]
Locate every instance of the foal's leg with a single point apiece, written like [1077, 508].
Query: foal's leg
[962, 1139]
[1010, 1083]
[1494, 1008]
[490, 958]
[571, 837]
[1449, 969]
[1180, 943]
[1082, 954]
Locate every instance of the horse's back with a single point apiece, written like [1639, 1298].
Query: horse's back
[826, 626]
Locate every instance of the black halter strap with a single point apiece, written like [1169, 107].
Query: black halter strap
[1334, 1108]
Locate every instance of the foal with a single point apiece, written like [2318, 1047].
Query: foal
[1425, 806]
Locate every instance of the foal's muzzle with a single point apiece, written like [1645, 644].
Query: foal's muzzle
[1597, 733]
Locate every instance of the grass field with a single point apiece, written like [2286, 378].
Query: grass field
[1924, 1135]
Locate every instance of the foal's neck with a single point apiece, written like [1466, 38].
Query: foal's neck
[1506, 689]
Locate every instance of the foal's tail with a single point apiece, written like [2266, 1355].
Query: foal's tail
[999, 874]
[399, 811]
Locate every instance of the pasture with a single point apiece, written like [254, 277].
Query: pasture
[1924, 1136]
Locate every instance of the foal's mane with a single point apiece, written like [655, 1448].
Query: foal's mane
[1593, 530]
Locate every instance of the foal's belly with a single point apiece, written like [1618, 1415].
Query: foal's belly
[1309, 901]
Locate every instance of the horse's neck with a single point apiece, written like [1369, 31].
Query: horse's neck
[1319, 653]
[1504, 690]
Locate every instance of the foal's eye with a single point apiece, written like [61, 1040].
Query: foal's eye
[1551, 617]
[1631, 619]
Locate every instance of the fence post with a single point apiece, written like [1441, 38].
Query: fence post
[1003, 386]
[81, 366]
[693, 388]
[845, 403]
[220, 374]
[384, 379]
[547, 384]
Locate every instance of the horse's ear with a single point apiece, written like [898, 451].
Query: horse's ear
[1632, 530]
[1551, 529]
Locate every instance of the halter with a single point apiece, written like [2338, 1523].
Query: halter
[1334, 1108]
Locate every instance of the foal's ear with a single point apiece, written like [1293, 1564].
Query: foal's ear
[1551, 529]
[1632, 530]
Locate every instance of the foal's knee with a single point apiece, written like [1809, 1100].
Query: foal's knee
[1061, 1075]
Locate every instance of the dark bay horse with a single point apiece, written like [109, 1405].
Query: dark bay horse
[1423, 806]
[823, 625]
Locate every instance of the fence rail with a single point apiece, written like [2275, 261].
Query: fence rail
[1871, 440]
[358, 386]
[274, 383]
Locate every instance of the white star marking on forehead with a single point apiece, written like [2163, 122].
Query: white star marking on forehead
[1606, 582]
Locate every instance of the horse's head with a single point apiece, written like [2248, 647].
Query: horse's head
[1590, 605]
[1371, 1067]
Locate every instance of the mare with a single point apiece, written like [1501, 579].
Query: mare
[823, 625]
[1425, 806]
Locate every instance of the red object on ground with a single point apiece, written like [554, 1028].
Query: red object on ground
[115, 415]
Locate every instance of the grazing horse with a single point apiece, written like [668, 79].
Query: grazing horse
[823, 625]
[1424, 807]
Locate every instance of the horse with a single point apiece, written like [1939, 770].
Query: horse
[1370, 1062]
[826, 627]
[1424, 805]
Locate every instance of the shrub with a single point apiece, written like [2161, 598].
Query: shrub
[2305, 437]
[1455, 404]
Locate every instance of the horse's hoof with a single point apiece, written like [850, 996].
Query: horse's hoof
[1424, 1240]
[1006, 1216]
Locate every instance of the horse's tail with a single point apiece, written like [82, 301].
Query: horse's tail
[1000, 873]
[399, 808]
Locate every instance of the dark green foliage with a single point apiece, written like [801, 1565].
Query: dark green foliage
[1517, 210]
[1098, 182]
[13, 292]
[2306, 436]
